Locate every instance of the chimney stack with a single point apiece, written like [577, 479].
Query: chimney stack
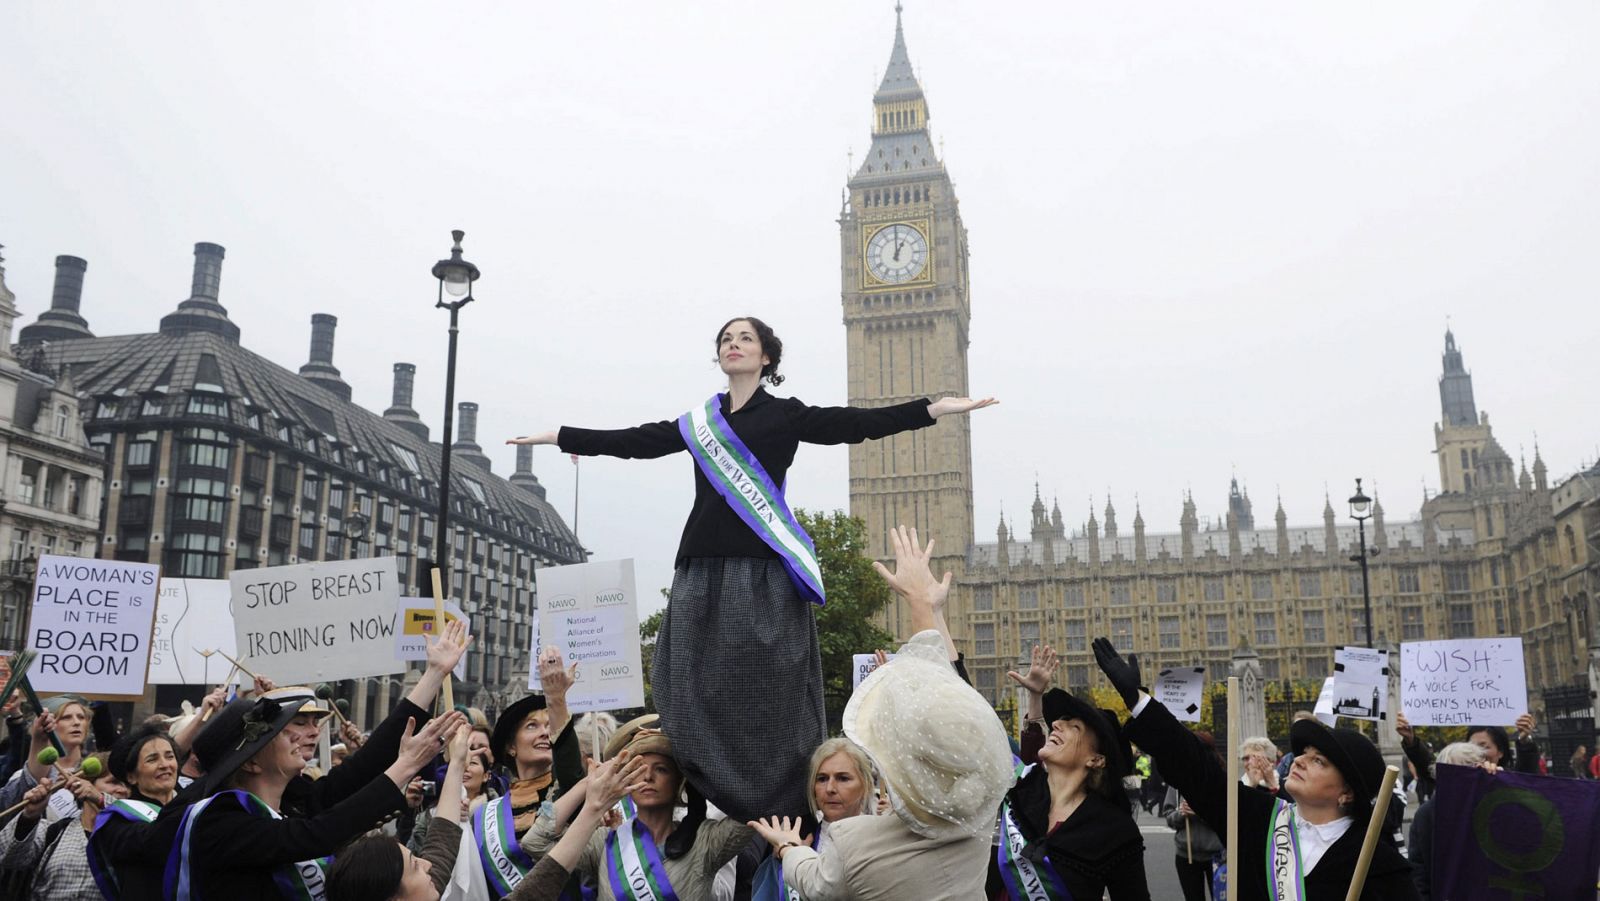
[400, 411]
[319, 369]
[62, 322]
[201, 312]
[466, 444]
[524, 478]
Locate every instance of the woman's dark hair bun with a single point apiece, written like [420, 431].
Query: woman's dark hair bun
[771, 345]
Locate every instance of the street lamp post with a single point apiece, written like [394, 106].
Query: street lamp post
[1360, 511]
[355, 529]
[455, 276]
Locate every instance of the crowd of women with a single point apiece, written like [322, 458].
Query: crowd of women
[733, 791]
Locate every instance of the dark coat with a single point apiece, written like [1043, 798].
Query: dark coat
[772, 428]
[1193, 769]
[1422, 850]
[1097, 849]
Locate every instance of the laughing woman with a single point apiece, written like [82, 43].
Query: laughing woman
[739, 628]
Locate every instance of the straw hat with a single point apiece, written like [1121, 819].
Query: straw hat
[640, 736]
[938, 744]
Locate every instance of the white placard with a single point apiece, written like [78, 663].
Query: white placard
[91, 626]
[590, 612]
[1361, 683]
[191, 617]
[862, 666]
[1324, 709]
[317, 622]
[1181, 691]
[414, 623]
[1463, 682]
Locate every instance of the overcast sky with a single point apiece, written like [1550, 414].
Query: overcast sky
[1206, 239]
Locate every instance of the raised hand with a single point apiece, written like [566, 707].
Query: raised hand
[553, 677]
[1525, 726]
[778, 831]
[610, 781]
[944, 406]
[1124, 674]
[912, 578]
[214, 700]
[417, 747]
[445, 651]
[536, 438]
[1402, 727]
[36, 799]
[1040, 672]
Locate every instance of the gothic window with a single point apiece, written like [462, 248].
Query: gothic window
[1500, 617]
[1077, 636]
[1457, 578]
[1261, 586]
[1072, 596]
[63, 417]
[1464, 463]
[1572, 545]
[1169, 630]
[983, 598]
[1411, 623]
[1406, 580]
[1028, 635]
[1166, 591]
[1311, 585]
[1214, 588]
[1078, 677]
[1266, 629]
[1028, 597]
[1122, 631]
[983, 639]
[1316, 666]
[1217, 630]
[1461, 621]
[1358, 628]
[1353, 583]
[1121, 593]
[1311, 627]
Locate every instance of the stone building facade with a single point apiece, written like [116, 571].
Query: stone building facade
[218, 459]
[52, 480]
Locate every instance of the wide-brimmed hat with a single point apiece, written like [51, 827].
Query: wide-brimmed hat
[639, 736]
[506, 726]
[1351, 753]
[1108, 737]
[235, 734]
[303, 696]
[941, 749]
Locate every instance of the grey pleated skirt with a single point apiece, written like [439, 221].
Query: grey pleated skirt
[737, 679]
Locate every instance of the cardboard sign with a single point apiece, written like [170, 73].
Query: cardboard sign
[1324, 709]
[413, 625]
[589, 611]
[1361, 683]
[317, 622]
[861, 667]
[192, 619]
[91, 626]
[1181, 691]
[1463, 682]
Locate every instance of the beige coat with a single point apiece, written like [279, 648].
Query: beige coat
[716, 843]
[876, 858]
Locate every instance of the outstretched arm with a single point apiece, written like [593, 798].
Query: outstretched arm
[653, 439]
[913, 580]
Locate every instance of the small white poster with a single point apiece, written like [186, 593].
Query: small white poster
[317, 622]
[415, 624]
[1324, 709]
[1181, 691]
[862, 666]
[589, 611]
[192, 624]
[91, 626]
[1463, 682]
[1361, 683]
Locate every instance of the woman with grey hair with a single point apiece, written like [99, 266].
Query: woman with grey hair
[1258, 759]
[1461, 753]
[843, 784]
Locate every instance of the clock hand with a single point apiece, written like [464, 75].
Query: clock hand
[897, 246]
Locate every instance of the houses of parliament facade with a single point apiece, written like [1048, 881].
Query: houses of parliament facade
[1498, 550]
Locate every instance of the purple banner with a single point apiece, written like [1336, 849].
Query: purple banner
[1511, 836]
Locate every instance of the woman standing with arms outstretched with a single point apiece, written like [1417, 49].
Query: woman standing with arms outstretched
[736, 677]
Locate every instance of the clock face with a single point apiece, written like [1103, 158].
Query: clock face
[897, 253]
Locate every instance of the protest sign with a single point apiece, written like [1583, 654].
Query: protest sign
[317, 622]
[192, 619]
[91, 626]
[1181, 691]
[1510, 835]
[1324, 709]
[1361, 683]
[862, 666]
[1463, 682]
[588, 611]
[415, 623]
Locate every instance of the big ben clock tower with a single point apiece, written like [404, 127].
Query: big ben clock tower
[906, 310]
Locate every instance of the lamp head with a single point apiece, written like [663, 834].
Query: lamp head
[1359, 502]
[455, 275]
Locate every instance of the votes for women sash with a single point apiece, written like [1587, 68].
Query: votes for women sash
[634, 865]
[1285, 879]
[105, 876]
[302, 881]
[1024, 879]
[743, 482]
[494, 832]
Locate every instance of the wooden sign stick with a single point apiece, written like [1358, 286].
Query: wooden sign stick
[1380, 808]
[445, 691]
[1233, 785]
[225, 681]
[241, 667]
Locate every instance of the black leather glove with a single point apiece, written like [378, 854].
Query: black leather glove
[1124, 674]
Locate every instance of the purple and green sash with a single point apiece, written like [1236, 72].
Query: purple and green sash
[785, 890]
[302, 881]
[635, 866]
[495, 833]
[105, 876]
[743, 482]
[1024, 880]
[1285, 881]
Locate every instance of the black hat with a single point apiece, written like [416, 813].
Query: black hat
[506, 726]
[235, 734]
[1351, 753]
[124, 754]
[1059, 705]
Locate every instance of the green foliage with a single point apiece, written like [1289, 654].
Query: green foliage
[648, 630]
[855, 595]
